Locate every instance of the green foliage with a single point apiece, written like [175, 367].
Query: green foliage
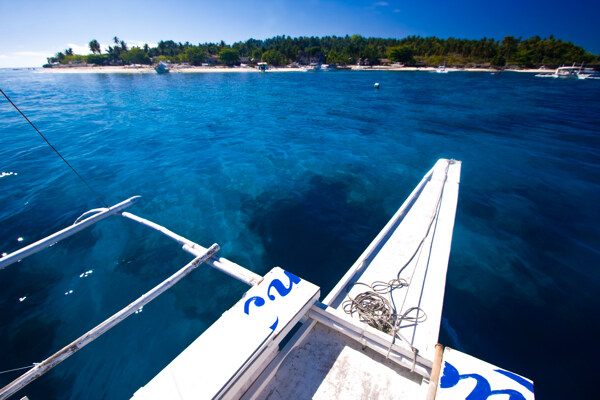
[509, 46]
[74, 59]
[94, 46]
[404, 54]
[498, 60]
[273, 57]
[229, 56]
[350, 49]
[452, 60]
[114, 54]
[334, 57]
[97, 59]
[196, 55]
[135, 56]
[371, 54]
[257, 54]
[435, 60]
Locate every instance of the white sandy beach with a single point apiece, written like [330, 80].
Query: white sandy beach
[221, 69]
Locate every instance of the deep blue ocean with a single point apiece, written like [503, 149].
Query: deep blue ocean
[298, 170]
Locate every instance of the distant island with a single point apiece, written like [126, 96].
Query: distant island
[413, 51]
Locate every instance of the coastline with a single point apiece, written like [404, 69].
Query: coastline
[221, 69]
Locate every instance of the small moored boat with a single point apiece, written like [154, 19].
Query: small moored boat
[162, 68]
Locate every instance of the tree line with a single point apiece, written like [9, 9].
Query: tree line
[347, 50]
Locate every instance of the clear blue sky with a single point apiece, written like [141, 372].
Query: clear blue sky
[31, 30]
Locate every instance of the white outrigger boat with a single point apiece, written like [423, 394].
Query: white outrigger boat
[375, 335]
[571, 72]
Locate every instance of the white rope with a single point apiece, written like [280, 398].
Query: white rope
[377, 311]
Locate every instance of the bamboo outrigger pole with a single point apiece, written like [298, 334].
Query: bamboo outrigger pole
[66, 232]
[43, 367]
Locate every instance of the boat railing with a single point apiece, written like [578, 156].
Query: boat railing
[201, 254]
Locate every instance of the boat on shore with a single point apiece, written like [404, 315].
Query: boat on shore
[262, 66]
[162, 68]
[441, 69]
[375, 335]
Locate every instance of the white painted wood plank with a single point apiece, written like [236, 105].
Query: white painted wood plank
[426, 273]
[215, 362]
[431, 299]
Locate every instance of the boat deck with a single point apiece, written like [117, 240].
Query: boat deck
[330, 365]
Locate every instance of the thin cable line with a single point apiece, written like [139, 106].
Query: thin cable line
[18, 369]
[56, 151]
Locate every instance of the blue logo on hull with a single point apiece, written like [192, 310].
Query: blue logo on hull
[278, 286]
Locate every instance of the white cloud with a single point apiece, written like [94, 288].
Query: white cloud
[381, 3]
[79, 49]
[139, 43]
[397, 10]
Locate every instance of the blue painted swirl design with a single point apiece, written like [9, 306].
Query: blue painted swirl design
[482, 390]
[279, 287]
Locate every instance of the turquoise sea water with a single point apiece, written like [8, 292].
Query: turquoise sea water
[299, 170]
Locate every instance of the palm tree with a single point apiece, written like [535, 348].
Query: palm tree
[95, 46]
[123, 45]
[116, 40]
[69, 52]
[114, 54]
